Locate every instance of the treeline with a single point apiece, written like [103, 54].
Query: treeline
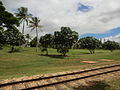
[67, 39]
[62, 40]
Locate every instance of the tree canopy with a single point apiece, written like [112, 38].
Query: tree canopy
[33, 42]
[2, 37]
[64, 39]
[23, 17]
[7, 19]
[111, 45]
[45, 42]
[13, 37]
[89, 43]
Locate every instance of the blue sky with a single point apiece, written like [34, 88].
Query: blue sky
[112, 32]
[84, 8]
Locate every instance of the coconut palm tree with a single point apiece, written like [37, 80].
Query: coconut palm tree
[23, 17]
[34, 25]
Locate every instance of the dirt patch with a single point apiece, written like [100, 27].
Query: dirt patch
[89, 62]
[106, 60]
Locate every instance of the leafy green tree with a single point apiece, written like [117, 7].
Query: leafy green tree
[89, 43]
[34, 25]
[33, 42]
[13, 37]
[45, 42]
[111, 45]
[64, 39]
[76, 45]
[2, 37]
[23, 17]
[7, 19]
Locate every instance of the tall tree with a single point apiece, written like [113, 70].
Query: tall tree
[23, 17]
[34, 25]
[7, 20]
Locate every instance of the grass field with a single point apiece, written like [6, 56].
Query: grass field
[29, 62]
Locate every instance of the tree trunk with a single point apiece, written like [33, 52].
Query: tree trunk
[28, 42]
[64, 54]
[23, 32]
[12, 49]
[23, 27]
[90, 51]
[37, 40]
[46, 52]
[111, 50]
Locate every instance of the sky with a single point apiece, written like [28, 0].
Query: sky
[100, 18]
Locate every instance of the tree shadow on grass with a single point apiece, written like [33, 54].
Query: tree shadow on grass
[87, 53]
[54, 56]
[81, 53]
[94, 85]
[93, 53]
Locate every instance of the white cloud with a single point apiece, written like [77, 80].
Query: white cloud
[113, 38]
[104, 15]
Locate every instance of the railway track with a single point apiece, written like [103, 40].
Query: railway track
[58, 79]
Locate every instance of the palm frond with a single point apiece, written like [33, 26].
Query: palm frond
[32, 29]
[33, 19]
[21, 20]
[23, 14]
[38, 21]
[40, 26]
[31, 22]
[31, 25]
[34, 23]
[26, 21]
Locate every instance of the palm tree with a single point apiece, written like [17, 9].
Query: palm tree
[23, 17]
[34, 25]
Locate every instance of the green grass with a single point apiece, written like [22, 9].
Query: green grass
[29, 62]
